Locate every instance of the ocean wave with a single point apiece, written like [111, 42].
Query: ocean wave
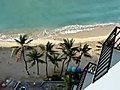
[80, 28]
[46, 33]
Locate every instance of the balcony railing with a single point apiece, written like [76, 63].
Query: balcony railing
[106, 54]
[89, 68]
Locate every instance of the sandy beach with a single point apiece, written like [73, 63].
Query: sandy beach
[9, 67]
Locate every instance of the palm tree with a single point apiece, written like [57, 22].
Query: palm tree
[19, 51]
[83, 51]
[63, 63]
[99, 46]
[68, 50]
[54, 59]
[47, 50]
[100, 43]
[34, 57]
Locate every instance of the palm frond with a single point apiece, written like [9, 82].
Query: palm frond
[32, 64]
[28, 47]
[83, 51]
[56, 64]
[98, 53]
[41, 61]
[77, 61]
[63, 56]
[42, 47]
[23, 38]
[99, 46]
[39, 55]
[101, 42]
[67, 44]
[49, 46]
[15, 47]
[59, 59]
[29, 41]
[15, 51]
[50, 57]
[17, 41]
[87, 55]
[97, 49]
[35, 56]
[20, 38]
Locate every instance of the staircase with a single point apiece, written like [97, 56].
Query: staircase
[110, 81]
[108, 58]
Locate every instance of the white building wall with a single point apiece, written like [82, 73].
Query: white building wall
[115, 57]
[111, 80]
[88, 80]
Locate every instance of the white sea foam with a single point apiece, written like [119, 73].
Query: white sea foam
[48, 33]
[79, 28]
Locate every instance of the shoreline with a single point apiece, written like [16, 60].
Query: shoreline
[97, 34]
[66, 30]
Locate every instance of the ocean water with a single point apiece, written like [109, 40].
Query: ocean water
[21, 15]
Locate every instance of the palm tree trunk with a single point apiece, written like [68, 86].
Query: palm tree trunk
[68, 63]
[54, 68]
[46, 65]
[26, 66]
[37, 68]
[70, 81]
[79, 61]
[77, 66]
[62, 68]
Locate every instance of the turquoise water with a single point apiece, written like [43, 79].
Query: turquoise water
[16, 14]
